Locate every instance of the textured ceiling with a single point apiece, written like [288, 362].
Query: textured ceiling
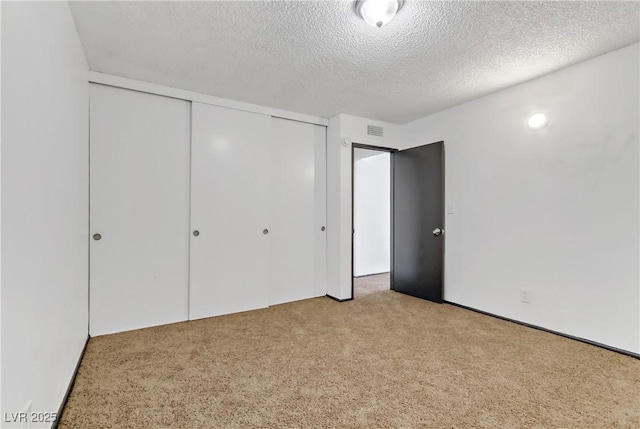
[319, 58]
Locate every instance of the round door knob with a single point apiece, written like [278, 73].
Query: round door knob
[323, 228]
[196, 233]
[265, 231]
[97, 237]
[437, 232]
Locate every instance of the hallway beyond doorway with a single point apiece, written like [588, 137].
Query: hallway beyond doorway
[371, 284]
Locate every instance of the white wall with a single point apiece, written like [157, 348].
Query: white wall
[44, 204]
[372, 214]
[554, 211]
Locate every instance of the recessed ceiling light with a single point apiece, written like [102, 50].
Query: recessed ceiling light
[538, 121]
[378, 12]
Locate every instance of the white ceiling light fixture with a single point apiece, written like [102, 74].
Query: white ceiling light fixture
[378, 12]
[538, 121]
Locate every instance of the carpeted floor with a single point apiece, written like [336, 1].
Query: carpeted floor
[383, 360]
[371, 284]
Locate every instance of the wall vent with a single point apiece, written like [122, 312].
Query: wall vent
[373, 130]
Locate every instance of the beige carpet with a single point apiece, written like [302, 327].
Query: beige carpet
[383, 360]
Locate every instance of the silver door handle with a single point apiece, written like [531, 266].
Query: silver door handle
[437, 232]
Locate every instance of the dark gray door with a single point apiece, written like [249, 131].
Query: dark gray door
[418, 221]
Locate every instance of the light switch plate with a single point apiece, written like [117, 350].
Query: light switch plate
[451, 209]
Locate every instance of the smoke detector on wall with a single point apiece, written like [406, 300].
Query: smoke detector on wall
[378, 12]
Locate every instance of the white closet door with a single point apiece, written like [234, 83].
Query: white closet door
[230, 186]
[298, 259]
[320, 210]
[140, 209]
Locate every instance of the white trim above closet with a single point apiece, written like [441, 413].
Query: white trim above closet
[167, 91]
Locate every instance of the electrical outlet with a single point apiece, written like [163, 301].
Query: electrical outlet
[525, 295]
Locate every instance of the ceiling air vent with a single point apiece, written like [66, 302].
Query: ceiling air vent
[372, 130]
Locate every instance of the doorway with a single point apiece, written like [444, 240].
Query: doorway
[410, 206]
[371, 220]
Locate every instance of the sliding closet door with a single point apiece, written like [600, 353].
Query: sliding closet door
[298, 256]
[230, 188]
[139, 215]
